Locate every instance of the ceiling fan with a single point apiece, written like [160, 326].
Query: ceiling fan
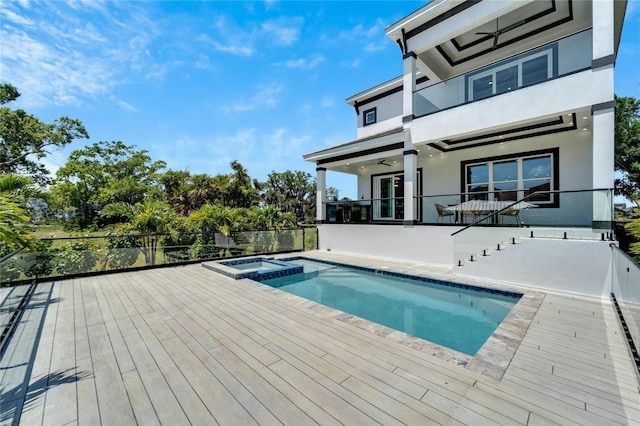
[497, 33]
[381, 162]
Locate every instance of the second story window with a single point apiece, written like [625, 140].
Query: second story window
[523, 70]
[370, 117]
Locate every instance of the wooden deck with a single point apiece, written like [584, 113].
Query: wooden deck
[185, 345]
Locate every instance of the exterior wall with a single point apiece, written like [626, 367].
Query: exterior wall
[572, 266]
[426, 244]
[388, 114]
[580, 267]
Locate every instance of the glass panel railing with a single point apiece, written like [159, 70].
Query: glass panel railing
[84, 255]
[580, 214]
[626, 289]
[535, 66]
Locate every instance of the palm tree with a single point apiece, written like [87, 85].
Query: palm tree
[15, 191]
[269, 218]
[151, 218]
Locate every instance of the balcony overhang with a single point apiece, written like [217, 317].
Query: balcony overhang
[453, 37]
[361, 155]
[516, 109]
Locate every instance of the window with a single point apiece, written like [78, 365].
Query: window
[512, 178]
[369, 116]
[388, 195]
[530, 68]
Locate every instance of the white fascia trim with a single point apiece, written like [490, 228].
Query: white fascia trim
[380, 88]
[420, 16]
[353, 147]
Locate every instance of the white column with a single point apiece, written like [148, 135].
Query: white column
[603, 130]
[603, 124]
[603, 28]
[408, 85]
[321, 194]
[410, 184]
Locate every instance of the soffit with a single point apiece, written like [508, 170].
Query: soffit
[529, 26]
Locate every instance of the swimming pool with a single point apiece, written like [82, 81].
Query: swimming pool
[457, 316]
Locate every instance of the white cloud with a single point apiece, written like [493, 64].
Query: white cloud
[285, 30]
[327, 102]
[122, 104]
[353, 64]
[372, 37]
[304, 63]
[8, 15]
[59, 56]
[234, 48]
[267, 95]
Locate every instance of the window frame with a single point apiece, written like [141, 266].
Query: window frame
[373, 110]
[550, 51]
[376, 196]
[554, 201]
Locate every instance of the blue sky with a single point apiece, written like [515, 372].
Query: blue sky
[199, 84]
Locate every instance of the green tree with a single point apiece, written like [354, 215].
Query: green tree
[290, 192]
[102, 174]
[627, 147]
[633, 227]
[271, 222]
[79, 256]
[25, 140]
[240, 191]
[294, 192]
[15, 191]
[152, 219]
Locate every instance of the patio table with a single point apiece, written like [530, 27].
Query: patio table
[480, 206]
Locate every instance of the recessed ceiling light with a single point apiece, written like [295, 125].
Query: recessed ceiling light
[570, 123]
[585, 129]
[430, 155]
[584, 118]
[348, 164]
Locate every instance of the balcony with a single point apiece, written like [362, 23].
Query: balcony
[550, 61]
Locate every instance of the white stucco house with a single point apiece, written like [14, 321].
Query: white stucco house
[500, 102]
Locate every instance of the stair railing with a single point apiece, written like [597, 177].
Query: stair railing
[486, 234]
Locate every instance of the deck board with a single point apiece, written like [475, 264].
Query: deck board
[186, 345]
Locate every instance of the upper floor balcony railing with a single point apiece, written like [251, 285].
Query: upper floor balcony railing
[557, 59]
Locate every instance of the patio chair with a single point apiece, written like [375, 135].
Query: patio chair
[443, 212]
[515, 213]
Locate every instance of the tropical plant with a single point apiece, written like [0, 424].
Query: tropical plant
[122, 252]
[627, 147]
[152, 219]
[15, 191]
[79, 256]
[42, 262]
[102, 174]
[269, 218]
[633, 227]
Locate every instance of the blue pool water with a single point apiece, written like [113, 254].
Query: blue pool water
[458, 318]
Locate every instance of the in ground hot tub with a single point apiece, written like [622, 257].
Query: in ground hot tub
[254, 268]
